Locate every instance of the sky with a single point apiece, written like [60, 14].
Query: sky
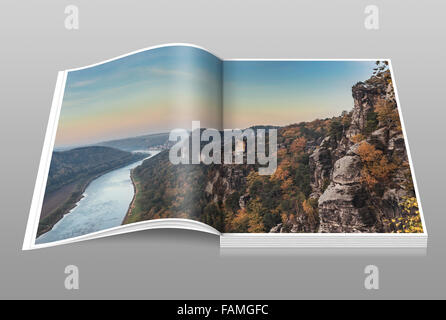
[151, 91]
[169, 87]
[286, 92]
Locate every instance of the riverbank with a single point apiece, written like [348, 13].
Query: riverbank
[50, 220]
[75, 194]
[132, 203]
[132, 210]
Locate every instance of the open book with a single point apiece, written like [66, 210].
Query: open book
[262, 153]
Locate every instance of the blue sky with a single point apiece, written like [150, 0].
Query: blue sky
[285, 92]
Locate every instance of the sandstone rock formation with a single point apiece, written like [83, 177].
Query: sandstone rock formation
[346, 205]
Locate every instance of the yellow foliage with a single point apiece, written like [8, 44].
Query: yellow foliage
[410, 221]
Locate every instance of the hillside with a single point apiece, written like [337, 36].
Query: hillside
[345, 174]
[137, 143]
[70, 173]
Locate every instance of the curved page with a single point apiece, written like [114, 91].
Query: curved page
[107, 146]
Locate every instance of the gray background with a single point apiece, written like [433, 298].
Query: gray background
[181, 264]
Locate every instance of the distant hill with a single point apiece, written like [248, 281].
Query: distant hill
[266, 127]
[70, 173]
[137, 143]
[75, 164]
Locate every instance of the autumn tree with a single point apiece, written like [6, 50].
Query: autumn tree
[410, 221]
[240, 223]
[357, 138]
[387, 114]
[376, 167]
[310, 208]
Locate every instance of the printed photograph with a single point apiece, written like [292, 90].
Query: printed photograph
[341, 163]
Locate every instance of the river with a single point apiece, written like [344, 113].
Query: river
[104, 205]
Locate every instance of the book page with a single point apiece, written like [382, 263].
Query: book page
[343, 164]
[110, 161]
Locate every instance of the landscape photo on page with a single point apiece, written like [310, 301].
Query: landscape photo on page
[174, 134]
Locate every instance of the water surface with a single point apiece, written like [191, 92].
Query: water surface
[104, 205]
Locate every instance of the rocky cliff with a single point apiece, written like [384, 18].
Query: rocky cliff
[360, 177]
[343, 174]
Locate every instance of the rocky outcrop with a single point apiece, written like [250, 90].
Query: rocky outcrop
[365, 96]
[380, 138]
[343, 207]
[347, 170]
[243, 200]
[344, 203]
[224, 180]
[321, 164]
